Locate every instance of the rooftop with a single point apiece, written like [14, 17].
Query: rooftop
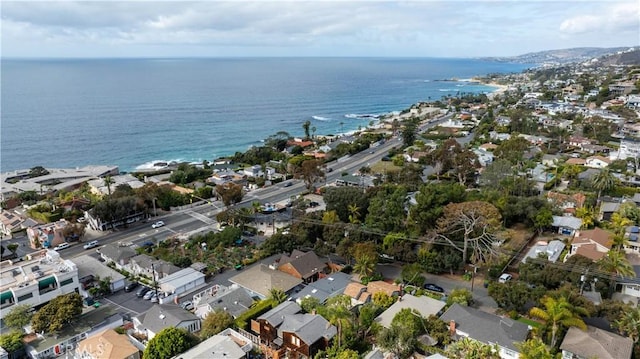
[42, 264]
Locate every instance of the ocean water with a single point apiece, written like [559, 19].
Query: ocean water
[132, 112]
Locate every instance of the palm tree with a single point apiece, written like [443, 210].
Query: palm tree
[354, 213]
[587, 216]
[277, 295]
[339, 315]
[305, 126]
[629, 324]
[616, 263]
[365, 266]
[558, 313]
[603, 181]
[107, 182]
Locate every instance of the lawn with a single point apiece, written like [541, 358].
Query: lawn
[530, 322]
[384, 167]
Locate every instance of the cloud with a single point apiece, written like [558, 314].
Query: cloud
[608, 18]
[374, 28]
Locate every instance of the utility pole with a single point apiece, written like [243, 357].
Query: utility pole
[473, 275]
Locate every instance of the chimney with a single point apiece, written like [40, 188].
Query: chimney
[452, 327]
[313, 311]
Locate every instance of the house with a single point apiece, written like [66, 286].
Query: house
[485, 157]
[593, 244]
[597, 162]
[568, 203]
[259, 280]
[354, 181]
[304, 335]
[595, 343]
[424, 305]
[608, 208]
[567, 225]
[253, 171]
[47, 235]
[119, 255]
[269, 223]
[143, 264]
[233, 300]
[91, 322]
[36, 281]
[162, 316]
[576, 161]
[324, 288]
[593, 149]
[579, 141]
[551, 250]
[88, 265]
[306, 266]
[550, 160]
[358, 293]
[11, 222]
[486, 328]
[284, 329]
[99, 186]
[389, 289]
[228, 344]
[107, 344]
[181, 281]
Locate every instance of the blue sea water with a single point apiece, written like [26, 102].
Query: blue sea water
[131, 112]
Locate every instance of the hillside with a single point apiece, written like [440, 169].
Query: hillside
[562, 56]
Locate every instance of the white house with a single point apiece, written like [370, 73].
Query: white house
[597, 162]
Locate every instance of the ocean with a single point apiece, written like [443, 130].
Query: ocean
[132, 112]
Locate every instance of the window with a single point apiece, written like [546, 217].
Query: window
[22, 298]
[295, 341]
[66, 281]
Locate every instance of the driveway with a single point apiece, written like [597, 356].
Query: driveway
[480, 294]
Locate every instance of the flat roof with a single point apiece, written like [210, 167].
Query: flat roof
[41, 265]
[180, 278]
[89, 265]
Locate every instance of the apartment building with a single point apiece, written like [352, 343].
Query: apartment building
[42, 277]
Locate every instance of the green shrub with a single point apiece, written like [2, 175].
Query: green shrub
[257, 309]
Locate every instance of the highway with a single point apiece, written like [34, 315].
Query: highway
[201, 218]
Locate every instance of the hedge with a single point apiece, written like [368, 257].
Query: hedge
[257, 309]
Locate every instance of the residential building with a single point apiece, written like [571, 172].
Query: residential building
[629, 148]
[11, 222]
[361, 293]
[566, 225]
[117, 254]
[36, 281]
[467, 322]
[227, 344]
[99, 186]
[593, 244]
[47, 235]
[423, 305]
[286, 332]
[597, 162]
[181, 281]
[149, 266]
[87, 265]
[595, 343]
[92, 321]
[162, 316]
[259, 280]
[107, 344]
[306, 266]
[233, 300]
[567, 203]
[324, 288]
[551, 250]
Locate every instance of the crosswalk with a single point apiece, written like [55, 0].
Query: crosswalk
[201, 217]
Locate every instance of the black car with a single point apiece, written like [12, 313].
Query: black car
[131, 286]
[142, 291]
[434, 288]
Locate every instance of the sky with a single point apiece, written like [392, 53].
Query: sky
[449, 28]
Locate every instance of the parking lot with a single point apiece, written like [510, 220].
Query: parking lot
[128, 302]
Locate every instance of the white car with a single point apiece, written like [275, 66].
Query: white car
[504, 278]
[62, 246]
[90, 245]
[158, 224]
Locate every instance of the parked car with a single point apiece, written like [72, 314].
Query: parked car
[131, 286]
[154, 298]
[90, 245]
[157, 224]
[287, 184]
[62, 246]
[188, 305]
[148, 295]
[434, 288]
[142, 292]
[504, 278]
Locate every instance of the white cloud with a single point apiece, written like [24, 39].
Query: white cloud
[607, 17]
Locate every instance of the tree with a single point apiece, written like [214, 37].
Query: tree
[629, 324]
[310, 172]
[409, 134]
[230, 193]
[461, 296]
[366, 257]
[12, 341]
[512, 150]
[397, 341]
[277, 295]
[108, 181]
[474, 224]
[543, 219]
[340, 200]
[57, 314]
[412, 274]
[18, 317]
[338, 313]
[386, 209]
[603, 182]
[214, 323]
[617, 264]
[382, 300]
[168, 343]
[509, 296]
[534, 349]
[430, 202]
[558, 314]
[466, 348]
[306, 126]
